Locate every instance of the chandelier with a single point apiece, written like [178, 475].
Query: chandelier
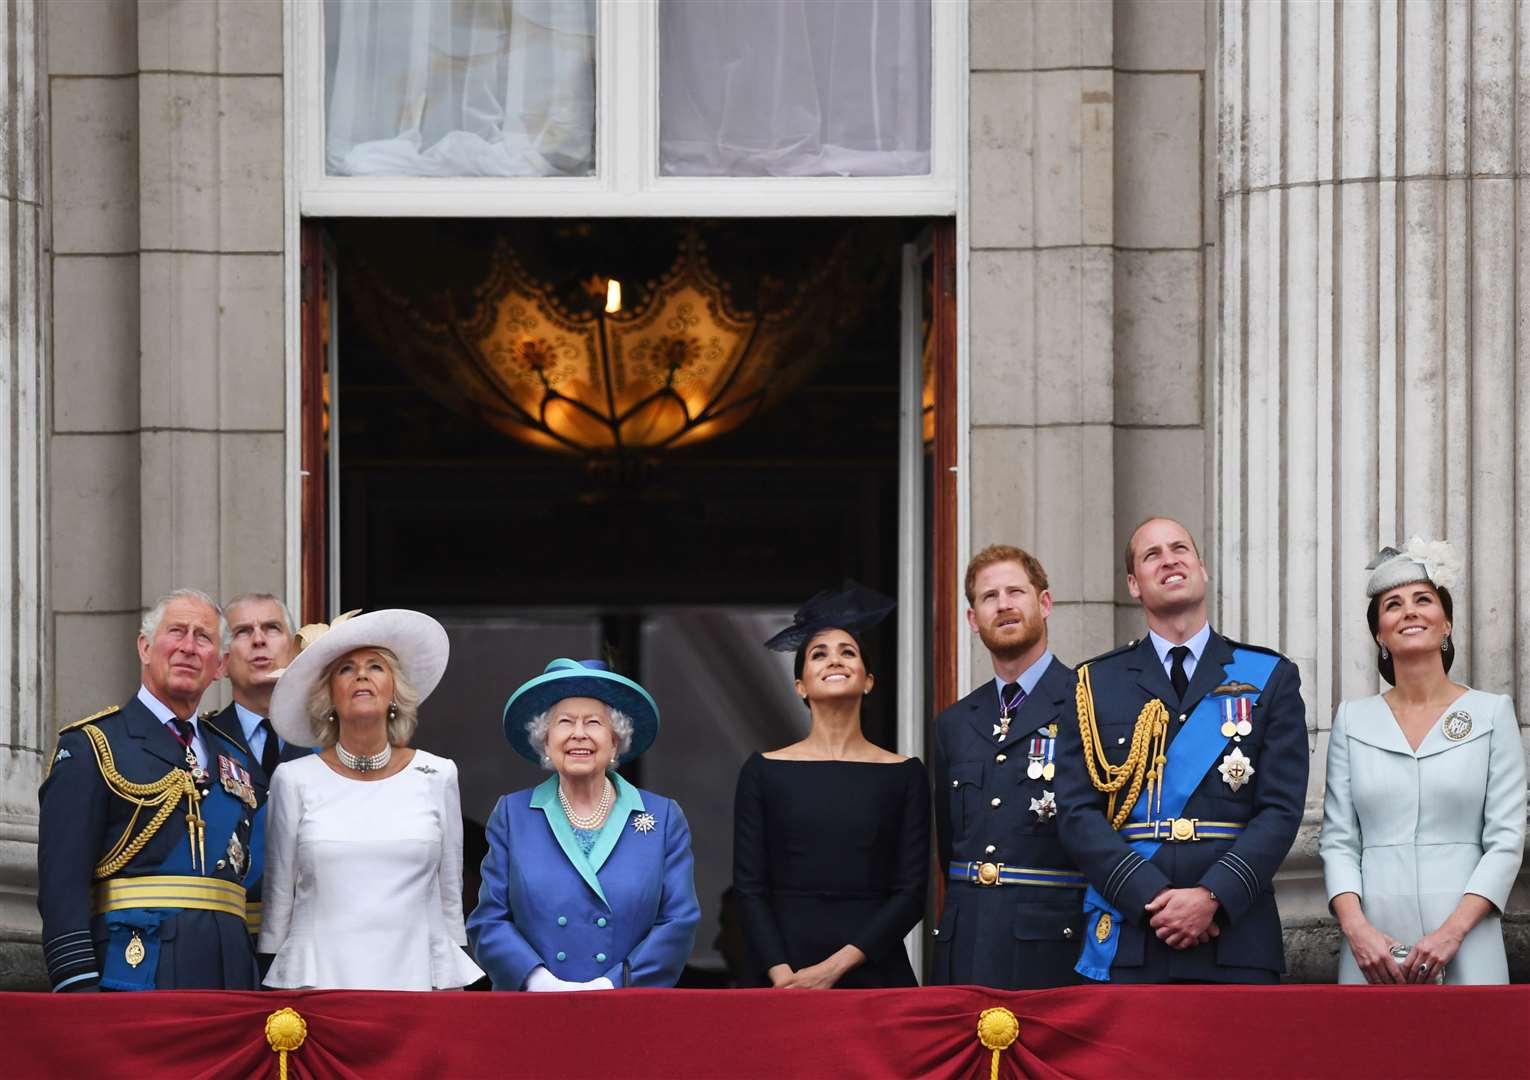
[613, 363]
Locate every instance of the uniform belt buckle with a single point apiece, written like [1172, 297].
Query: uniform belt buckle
[1183, 829]
[988, 873]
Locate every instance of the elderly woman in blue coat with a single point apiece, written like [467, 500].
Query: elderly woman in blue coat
[588, 882]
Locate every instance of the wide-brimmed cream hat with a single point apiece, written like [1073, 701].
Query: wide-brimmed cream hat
[419, 642]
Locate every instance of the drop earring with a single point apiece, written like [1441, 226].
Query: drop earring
[1445, 644]
[392, 711]
[1384, 654]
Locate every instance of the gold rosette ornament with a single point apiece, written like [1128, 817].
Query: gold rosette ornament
[997, 1030]
[285, 1031]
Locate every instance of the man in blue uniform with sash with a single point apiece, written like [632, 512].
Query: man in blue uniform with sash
[1011, 918]
[144, 829]
[1181, 786]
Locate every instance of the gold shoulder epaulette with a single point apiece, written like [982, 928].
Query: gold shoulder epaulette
[93, 716]
[53, 760]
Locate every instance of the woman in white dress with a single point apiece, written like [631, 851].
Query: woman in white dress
[1424, 816]
[363, 877]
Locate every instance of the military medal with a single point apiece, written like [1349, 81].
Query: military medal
[1103, 928]
[1458, 725]
[235, 854]
[236, 780]
[1045, 808]
[1237, 717]
[1042, 750]
[1236, 769]
[134, 953]
[1006, 710]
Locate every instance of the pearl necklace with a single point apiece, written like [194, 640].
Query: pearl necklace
[595, 820]
[364, 762]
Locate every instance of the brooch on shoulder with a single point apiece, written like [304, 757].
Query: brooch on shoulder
[426, 769]
[644, 823]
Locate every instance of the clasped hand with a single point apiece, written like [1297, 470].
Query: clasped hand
[543, 981]
[1183, 918]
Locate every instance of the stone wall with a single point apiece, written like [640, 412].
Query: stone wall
[165, 439]
[1090, 217]
[25, 725]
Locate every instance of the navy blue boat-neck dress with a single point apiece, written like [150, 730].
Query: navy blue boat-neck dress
[828, 854]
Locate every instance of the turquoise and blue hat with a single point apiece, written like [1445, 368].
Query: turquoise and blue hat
[565, 678]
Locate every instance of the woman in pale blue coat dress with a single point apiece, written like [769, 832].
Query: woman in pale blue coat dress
[1424, 816]
[588, 881]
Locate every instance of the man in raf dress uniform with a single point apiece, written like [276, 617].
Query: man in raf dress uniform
[1012, 918]
[1181, 786]
[144, 828]
[259, 646]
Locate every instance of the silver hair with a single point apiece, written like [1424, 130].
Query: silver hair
[250, 597]
[403, 718]
[621, 727]
[151, 619]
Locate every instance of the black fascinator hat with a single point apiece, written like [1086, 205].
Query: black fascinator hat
[852, 607]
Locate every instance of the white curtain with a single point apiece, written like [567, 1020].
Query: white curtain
[460, 87]
[794, 87]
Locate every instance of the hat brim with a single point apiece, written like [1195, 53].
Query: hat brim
[419, 642]
[546, 690]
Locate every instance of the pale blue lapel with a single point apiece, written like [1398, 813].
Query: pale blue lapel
[628, 801]
[545, 799]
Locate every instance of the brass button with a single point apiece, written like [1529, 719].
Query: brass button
[996, 801]
[1002, 758]
[936, 931]
[956, 783]
[222, 863]
[989, 850]
[1067, 931]
[1181, 718]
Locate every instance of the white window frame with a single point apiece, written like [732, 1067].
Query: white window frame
[627, 181]
[627, 184]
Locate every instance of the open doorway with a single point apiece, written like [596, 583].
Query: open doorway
[671, 530]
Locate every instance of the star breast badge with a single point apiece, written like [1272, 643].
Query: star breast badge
[1045, 808]
[1236, 769]
[644, 823]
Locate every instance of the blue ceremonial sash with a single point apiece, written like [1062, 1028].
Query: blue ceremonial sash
[1190, 756]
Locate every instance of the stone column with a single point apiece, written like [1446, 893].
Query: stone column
[1090, 223]
[1041, 295]
[24, 728]
[1370, 367]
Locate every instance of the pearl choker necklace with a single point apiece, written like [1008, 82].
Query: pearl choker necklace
[364, 762]
[594, 820]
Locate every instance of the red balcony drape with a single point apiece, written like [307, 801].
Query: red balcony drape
[1296, 1031]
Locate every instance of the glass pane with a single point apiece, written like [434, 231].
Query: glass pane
[721, 696]
[459, 87]
[794, 87]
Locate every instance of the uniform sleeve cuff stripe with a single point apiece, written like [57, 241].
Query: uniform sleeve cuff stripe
[1125, 879]
[77, 978]
[1128, 863]
[70, 957]
[66, 939]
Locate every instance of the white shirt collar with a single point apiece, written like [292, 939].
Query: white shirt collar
[162, 712]
[1197, 643]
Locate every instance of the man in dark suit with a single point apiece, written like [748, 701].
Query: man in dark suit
[1012, 917]
[1182, 785]
[144, 827]
[260, 643]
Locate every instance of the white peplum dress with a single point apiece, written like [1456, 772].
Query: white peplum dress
[363, 879]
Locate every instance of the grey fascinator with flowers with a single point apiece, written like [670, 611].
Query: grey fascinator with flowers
[1434, 561]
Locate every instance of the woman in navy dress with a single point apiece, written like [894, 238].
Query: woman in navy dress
[831, 834]
[588, 881]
